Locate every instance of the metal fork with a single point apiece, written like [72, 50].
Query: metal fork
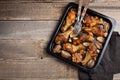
[80, 16]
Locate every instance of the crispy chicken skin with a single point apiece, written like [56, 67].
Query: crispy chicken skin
[70, 19]
[92, 50]
[60, 39]
[87, 20]
[96, 30]
[83, 37]
[92, 47]
[77, 58]
[72, 48]
[91, 21]
[63, 37]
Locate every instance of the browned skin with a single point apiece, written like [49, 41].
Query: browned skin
[92, 47]
[87, 20]
[83, 37]
[72, 48]
[60, 39]
[92, 21]
[77, 58]
[63, 37]
[70, 19]
[98, 31]
[92, 50]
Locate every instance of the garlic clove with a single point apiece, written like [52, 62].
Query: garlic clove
[65, 54]
[91, 63]
[86, 44]
[57, 49]
[101, 39]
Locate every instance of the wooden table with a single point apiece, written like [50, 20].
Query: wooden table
[25, 29]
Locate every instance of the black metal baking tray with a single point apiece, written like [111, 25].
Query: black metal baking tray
[51, 44]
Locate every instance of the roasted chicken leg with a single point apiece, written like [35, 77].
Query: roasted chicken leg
[77, 58]
[72, 48]
[96, 30]
[70, 19]
[63, 37]
[92, 21]
[83, 37]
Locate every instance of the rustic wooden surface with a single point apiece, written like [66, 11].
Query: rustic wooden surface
[25, 29]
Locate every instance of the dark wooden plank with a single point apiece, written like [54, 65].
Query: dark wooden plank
[37, 1]
[50, 11]
[37, 30]
[23, 49]
[37, 69]
[18, 49]
[39, 79]
[46, 1]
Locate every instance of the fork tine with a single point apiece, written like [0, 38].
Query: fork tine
[78, 24]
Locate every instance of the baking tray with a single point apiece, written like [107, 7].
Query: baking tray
[51, 44]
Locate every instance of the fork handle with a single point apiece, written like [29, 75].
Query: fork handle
[79, 9]
[84, 10]
[83, 13]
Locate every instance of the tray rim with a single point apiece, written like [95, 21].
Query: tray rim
[89, 70]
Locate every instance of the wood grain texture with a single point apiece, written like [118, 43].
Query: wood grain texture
[27, 29]
[39, 79]
[23, 43]
[52, 1]
[16, 49]
[37, 69]
[50, 11]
